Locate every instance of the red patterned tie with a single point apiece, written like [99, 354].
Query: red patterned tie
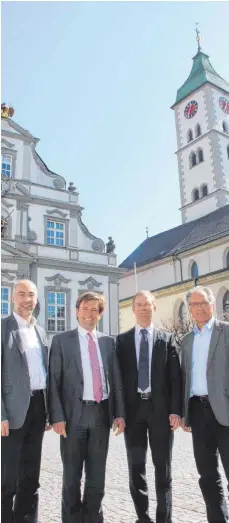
[95, 369]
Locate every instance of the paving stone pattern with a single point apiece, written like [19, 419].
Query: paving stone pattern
[188, 506]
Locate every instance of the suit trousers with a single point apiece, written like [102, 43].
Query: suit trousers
[152, 426]
[20, 467]
[210, 439]
[86, 445]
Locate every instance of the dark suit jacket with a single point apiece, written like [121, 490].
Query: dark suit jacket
[166, 384]
[66, 377]
[15, 391]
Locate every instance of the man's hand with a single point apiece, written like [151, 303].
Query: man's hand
[48, 427]
[59, 428]
[119, 426]
[186, 429]
[5, 428]
[174, 420]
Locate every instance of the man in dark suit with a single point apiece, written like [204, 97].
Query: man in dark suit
[24, 414]
[85, 399]
[205, 369]
[151, 376]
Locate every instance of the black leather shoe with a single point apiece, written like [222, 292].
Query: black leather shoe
[144, 521]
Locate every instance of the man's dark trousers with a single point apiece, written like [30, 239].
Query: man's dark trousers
[86, 444]
[210, 439]
[21, 459]
[155, 427]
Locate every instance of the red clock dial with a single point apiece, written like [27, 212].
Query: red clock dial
[224, 104]
[191, 109]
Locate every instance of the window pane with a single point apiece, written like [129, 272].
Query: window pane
[4, 293]
[51, 297]
[51, 325]
[60, 325]
[6, 165]
[4, 301]
[4, 309]
[51, 311]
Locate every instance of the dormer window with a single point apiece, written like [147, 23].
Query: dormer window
[6, 165]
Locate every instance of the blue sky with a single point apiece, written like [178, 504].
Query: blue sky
[95, 82]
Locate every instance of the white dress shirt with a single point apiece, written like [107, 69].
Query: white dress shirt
[138, 338]
[33, 351]
[88, 394]
[200, 352]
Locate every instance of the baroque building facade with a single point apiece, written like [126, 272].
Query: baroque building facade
[44, 238]
[196, 252]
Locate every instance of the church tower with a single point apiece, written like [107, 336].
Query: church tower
[202, 126]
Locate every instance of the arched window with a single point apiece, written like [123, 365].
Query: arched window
[194, 270]
[198, 130]
[226, 304]
[227, 260]
[225, 127]
[204, 190]
[200, 155]
[192, 160]
[228, 152]
[195, 195]
[190, 135]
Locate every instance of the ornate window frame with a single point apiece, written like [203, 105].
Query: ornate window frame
[49, 217]
[59, 285]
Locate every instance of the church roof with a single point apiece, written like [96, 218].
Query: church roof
[184, 237]
[202, 72]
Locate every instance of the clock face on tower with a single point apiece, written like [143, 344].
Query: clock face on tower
[191, 109]
[224, 104]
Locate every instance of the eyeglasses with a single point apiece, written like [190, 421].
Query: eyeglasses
[200, 304]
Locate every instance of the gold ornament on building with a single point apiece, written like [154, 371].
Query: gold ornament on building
[6, 111]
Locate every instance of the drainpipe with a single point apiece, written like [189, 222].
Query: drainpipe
[181, 269]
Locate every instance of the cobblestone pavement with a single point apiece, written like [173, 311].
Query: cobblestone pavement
[118, 508]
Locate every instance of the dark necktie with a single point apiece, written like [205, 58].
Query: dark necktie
[143, 365]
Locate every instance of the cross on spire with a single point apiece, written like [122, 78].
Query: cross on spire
[198, 36]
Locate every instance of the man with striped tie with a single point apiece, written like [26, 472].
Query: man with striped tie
[85, 400]
[151, 375]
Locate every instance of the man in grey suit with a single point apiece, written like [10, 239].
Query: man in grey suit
[205, 369]
[85, 399]
[23, 400]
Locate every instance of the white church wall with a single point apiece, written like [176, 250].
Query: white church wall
[202, 207]
[224, 143]
[166, 305]
[201, 173]
[209, 258]
[219, 114]
[184, 123]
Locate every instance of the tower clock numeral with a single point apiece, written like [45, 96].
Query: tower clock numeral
[224, 104]
[191, 109]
